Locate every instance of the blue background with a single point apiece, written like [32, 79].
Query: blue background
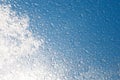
[87, 30]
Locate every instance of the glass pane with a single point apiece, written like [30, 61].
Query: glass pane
[59, 40]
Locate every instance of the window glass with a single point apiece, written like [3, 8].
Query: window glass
[59, 40]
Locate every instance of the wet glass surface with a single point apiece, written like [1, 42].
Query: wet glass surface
[59, 40]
